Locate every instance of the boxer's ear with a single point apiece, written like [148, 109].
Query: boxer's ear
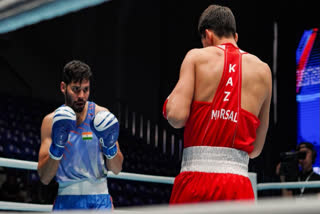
[63, 87]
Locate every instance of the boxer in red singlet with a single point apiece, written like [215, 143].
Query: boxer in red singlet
[222, 99]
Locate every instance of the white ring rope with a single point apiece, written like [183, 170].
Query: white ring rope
[308, 205]
[289, 185]
[13, 163]
[6, 162]
[15, 206]
[142, 177]
[21, 164]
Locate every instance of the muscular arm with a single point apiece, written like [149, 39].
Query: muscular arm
[114, 164]
[263, 115]
[47, 167]
[179, 101]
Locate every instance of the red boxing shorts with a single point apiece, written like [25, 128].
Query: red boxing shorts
[212, 174]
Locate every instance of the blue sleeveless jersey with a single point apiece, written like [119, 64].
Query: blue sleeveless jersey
[82, 158]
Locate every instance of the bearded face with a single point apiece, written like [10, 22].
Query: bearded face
[77, 94]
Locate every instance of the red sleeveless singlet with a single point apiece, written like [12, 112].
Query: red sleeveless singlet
[217, 139]
[223, 122]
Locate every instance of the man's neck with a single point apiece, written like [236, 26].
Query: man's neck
[225, 40]
[81, 116]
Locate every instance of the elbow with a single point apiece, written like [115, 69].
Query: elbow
[254, 154]
[44, 180]
[176, 124]
[116, 170]
[116, 167]
[177, 120]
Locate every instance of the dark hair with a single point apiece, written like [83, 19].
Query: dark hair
[75, 71]
[219, 19]
[309, 146]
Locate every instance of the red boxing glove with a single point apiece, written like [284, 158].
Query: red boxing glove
[164, 109]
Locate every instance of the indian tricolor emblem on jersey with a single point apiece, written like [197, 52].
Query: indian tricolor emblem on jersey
[86, 135]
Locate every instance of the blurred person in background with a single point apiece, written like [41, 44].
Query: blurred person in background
[298, 166]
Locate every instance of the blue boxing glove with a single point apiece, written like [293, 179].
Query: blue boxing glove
[106, 126]
[64, 120]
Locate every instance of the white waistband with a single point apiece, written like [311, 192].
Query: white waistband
[85, 188]
[215, 159]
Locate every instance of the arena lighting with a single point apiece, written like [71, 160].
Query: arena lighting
[308, 89]
[15, 14]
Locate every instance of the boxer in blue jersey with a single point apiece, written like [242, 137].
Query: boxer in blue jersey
[79, 144]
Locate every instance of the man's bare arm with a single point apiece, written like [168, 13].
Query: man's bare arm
[263, 115]
[47, 167]
[114, 164]
[179, 101]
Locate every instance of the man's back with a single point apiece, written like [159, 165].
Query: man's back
[209, 65]
[200, 76]
[222, 99]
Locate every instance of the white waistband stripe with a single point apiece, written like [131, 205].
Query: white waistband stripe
[85, 188]
[215, 160]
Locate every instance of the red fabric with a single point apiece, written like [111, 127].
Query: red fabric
[233, 126]
[164, 109]
[191, 187]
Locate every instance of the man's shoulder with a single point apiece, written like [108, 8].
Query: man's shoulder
[100, 108]
[48, 117]
[204, 54]
[256, 63]
[251, 58]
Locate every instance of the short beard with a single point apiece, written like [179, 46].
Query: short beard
[71, 104]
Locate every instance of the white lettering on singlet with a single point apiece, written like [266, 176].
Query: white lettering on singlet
[224, 115]
[231, 68]
[229, 82]
[226, 98]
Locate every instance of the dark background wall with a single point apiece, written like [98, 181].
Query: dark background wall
[135, 49]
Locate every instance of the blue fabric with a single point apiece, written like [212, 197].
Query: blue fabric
[82, 202]
[64, 120]
[82, 158]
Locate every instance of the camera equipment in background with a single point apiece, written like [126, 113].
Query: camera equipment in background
[289, 164]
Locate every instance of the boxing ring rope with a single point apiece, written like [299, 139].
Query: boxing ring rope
[17, 206]
[20, 164]
[30, 165]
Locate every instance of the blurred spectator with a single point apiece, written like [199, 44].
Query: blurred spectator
[297, 166]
